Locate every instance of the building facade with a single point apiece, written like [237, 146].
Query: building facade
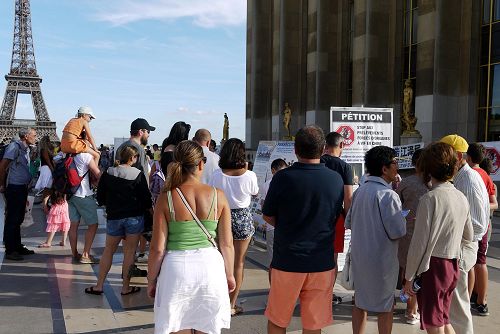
[314, 54]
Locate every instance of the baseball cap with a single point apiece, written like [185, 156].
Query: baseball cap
[86, 110]
[141, 123]
[457, 142]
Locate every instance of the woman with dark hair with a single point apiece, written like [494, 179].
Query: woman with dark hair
[443, 221]
[191, 288]
[410, 190]
[239, 184]
[124, 191]
[46, 151]
[376, 222]
[178, 133]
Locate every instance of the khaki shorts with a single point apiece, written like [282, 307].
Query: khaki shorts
[314, 291]
[83, 207]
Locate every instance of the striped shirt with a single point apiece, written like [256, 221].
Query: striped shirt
[469, 182]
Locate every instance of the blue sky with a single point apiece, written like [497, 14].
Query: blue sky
[164, 60]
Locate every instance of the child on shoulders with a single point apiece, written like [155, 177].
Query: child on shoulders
[76, 136]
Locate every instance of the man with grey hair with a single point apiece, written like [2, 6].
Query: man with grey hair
[203, 137]
[14, 180]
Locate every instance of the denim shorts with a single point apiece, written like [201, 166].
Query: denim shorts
[125, 226]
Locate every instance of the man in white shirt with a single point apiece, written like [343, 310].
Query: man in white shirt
[83, 205]
[469, 182]
[203, 137]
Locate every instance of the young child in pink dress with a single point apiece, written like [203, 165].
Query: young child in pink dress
[57, 219]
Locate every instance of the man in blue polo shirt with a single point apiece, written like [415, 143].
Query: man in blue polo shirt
[14, 180]
[302, 204]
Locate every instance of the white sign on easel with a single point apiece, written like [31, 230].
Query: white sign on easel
[362, 129]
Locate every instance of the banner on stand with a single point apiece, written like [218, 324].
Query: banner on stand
[267, 152]
[362, 128]
[493, 153]
[405, 153]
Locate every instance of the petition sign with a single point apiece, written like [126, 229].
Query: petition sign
[362, 128]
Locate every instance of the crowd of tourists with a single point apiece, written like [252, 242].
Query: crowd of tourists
[425, 234]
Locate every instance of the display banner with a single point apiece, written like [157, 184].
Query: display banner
[493, 152]
[405, 153]
[262, 165]
[362, 128]
[267, 152]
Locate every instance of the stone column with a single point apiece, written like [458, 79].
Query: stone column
[327, 59]
[288, 65]
[376, 56]
[259, 72]
[447, 62]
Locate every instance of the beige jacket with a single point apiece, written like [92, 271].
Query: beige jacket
[443, 221]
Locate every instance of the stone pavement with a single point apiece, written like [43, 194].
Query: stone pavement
[44, 293]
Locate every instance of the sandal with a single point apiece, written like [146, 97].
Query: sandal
[44, 245]
[133, 289]
[90, 290]
[236, 310]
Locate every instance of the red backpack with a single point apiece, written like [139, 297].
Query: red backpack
[65, 175]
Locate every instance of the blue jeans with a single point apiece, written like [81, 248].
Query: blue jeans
[15, 207]
[125, 226]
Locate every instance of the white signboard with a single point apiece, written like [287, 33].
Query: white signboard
[262, 164]
[267, 152]
[405, 153]
[362, 128]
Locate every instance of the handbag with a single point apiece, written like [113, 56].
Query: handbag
[205, 231]
[346, 277]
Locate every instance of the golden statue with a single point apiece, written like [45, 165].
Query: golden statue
[225, 128]
[287, 117]
[408, 119]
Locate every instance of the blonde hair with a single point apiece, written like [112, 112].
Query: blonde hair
[187, 156]
[127, 153]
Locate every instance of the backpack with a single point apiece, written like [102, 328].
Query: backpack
[65, 178]
[157, 180]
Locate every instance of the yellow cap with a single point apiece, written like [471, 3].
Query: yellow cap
[457, 142]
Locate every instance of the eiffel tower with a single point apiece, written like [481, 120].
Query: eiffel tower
[23, 79]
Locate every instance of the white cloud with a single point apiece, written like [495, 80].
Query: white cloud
[204, 13]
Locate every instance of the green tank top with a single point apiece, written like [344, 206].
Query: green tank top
[186, 235]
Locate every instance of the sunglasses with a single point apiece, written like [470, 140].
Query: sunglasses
[146, 130]
[204, 159]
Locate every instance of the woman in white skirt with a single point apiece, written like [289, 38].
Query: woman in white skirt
[187, 276]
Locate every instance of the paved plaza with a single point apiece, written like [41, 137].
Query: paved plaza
[44, 293]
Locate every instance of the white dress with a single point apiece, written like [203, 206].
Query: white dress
[45, 178]
[192, 292]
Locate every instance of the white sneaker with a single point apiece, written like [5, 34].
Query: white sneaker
[412, 319]
[142, 258]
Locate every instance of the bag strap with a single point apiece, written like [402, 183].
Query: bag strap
[171, 205]
[205, 231]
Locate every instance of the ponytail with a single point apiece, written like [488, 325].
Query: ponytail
[187, 156]
[174, 175]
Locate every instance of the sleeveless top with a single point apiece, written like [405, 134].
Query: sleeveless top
[74, 126]
[186, 235]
